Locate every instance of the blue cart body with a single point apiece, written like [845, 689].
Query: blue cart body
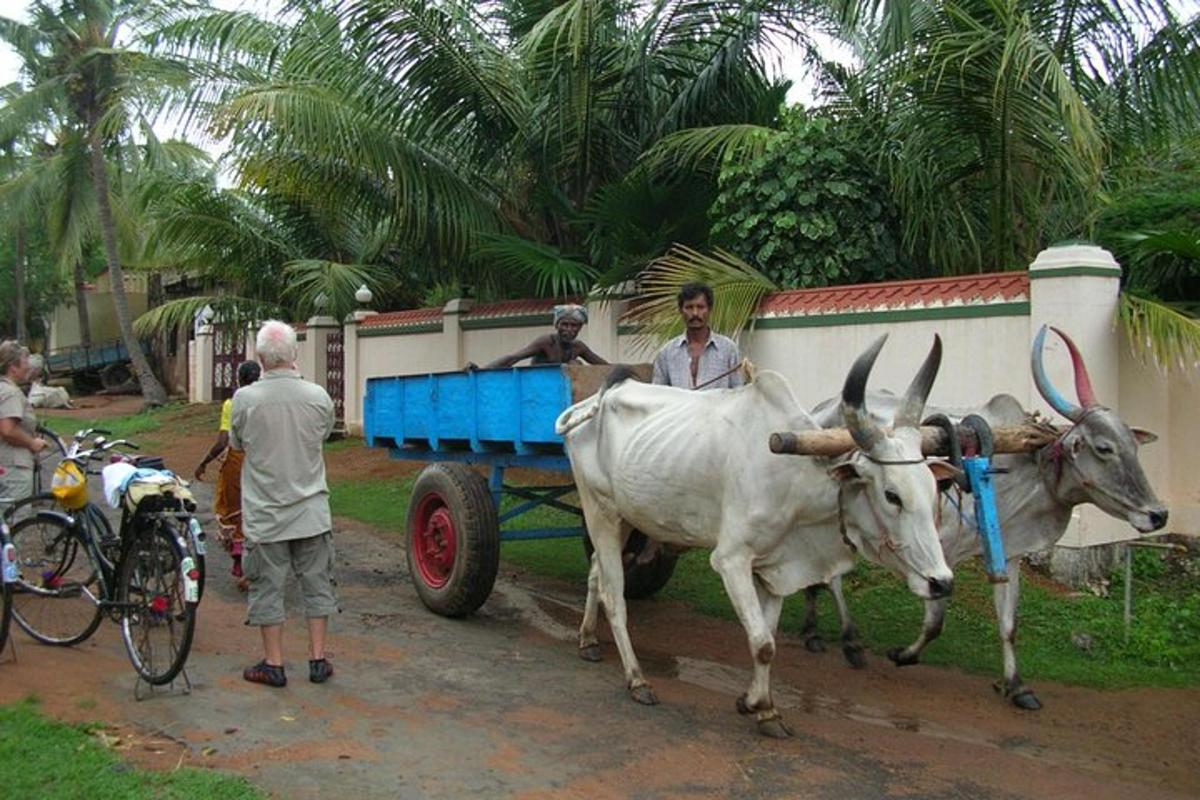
[500, 418]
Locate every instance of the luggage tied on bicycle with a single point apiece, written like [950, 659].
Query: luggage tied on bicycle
[133, 485]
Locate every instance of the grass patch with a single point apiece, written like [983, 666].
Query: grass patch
[42, 758]
[150, 429]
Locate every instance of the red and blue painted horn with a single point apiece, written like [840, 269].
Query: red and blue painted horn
[1083, 384]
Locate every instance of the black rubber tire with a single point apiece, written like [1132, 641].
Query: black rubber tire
[641, 580]
[6, 598]
[115, 375]
[49, 550]
[464, 494]
[152, 572]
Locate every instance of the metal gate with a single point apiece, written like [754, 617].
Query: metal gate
[335, 373]
[229, 350]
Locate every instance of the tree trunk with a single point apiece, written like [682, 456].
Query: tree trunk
[152, 391]
[19, 286]
[85, 320]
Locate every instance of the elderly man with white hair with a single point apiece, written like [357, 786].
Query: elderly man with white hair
[281, 422]
[560, 347]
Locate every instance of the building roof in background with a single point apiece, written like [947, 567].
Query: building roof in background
[997, 287]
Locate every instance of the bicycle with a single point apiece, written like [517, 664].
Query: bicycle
[8, 576]
[70, 574]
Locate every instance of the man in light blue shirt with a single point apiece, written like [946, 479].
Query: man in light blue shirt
[698, 358]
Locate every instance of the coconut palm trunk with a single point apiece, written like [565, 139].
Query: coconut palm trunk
[19, 285]
[152, 391]
[81, 306]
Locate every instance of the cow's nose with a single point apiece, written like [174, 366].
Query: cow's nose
[939, 588]
[1158, 518]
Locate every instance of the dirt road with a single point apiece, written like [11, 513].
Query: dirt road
[499, 705]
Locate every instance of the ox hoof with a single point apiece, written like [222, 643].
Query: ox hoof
[1026, 700]
[644, 695]
[773, 726]
[814, 644]
[855, 656]
[742, 707]
[591, 653]
[898, 658]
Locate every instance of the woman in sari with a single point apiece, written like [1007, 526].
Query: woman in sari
[227, 495]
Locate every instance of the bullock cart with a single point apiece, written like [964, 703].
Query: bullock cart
[468, 423]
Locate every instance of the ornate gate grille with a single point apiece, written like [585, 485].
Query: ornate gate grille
[335, 373]
[229, 350]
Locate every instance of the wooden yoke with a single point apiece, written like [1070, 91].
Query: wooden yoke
[835, 441]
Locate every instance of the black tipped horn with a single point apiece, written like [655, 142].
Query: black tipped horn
[918, 391]
[862, 428]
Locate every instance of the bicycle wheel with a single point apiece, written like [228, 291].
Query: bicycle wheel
[157, 620]
[8, 574]
[56, 597]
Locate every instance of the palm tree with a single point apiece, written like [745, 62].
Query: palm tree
[83, 62]
[997, 120]
[512, 144]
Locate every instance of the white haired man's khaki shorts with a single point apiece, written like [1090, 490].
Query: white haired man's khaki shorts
[267, 566]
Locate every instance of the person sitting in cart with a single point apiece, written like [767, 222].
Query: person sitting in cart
[560, 347]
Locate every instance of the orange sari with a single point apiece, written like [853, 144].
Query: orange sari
[227, 497]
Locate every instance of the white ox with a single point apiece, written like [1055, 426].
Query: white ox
[1093, 461]
[693, 469]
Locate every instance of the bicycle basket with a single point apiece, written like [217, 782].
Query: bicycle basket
[69, 486]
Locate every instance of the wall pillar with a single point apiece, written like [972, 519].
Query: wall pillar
[601, 331]
[452, 336]
[201, 389]
[355, 386]
[1075, 287]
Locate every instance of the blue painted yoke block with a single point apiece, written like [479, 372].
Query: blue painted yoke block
[987, 520]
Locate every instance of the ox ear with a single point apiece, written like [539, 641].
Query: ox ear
[845, 471]
[1144, 436]
[945, 473]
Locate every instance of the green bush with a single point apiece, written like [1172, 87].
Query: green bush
[810, 211]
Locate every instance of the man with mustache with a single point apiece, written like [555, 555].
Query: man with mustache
[698, 358]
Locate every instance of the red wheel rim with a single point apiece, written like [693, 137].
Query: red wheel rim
[434, 541]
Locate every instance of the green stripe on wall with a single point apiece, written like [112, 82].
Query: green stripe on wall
[381, 330]
[527, 321]
[1016, 309]
[1066, 272]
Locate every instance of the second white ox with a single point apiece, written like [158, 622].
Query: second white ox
[693, 469]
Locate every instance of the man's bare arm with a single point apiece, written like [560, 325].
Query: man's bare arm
[588, 355]
[538, 345]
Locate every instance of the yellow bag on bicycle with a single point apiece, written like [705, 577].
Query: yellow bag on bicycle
[69, 486]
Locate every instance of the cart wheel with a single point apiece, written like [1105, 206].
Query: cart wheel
[641, 580]
[453, 539]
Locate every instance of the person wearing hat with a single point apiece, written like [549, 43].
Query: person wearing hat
[19, 442]
[560, 347]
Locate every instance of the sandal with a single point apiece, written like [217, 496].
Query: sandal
[262, 672]
[319, 670]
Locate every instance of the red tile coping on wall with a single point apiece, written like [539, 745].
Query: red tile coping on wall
[516, 308]
[986, 288]
[398, 319]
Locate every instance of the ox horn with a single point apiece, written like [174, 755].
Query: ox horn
[918, 391]
[1083, 384]
[865, 432]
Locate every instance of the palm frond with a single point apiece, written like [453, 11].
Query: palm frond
[554, 274]
[1161, 332]
[707, 149]
[738, 289]
[327, 287]
[226, 309]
